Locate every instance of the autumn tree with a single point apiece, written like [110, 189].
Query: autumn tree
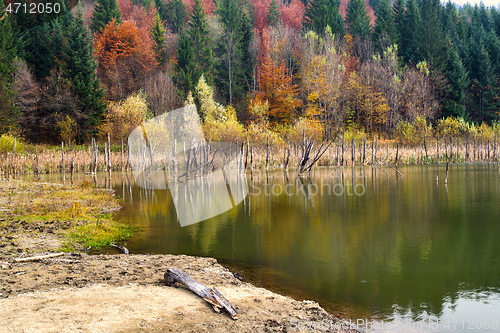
[124, 56]
[292, 14]
[104, 12]
[161, 94]
[260, 10]
[277, 88]
[322, 74]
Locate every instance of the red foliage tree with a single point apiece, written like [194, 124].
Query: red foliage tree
[293, 14]
[260, 8]
[126, 7]
[125, 55]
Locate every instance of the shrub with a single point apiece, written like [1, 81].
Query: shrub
[67, 129]
[413, 133]
[451, 126]
[7, 143]
[121, 118]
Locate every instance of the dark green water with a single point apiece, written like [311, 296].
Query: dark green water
[413, 252]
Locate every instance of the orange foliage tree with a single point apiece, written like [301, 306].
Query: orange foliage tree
[277, 88]
[125, 55]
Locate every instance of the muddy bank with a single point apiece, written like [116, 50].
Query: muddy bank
[77, 292]
[126, 293]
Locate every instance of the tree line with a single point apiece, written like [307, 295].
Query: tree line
[368, 66]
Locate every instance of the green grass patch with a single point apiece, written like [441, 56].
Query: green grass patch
[98, 234]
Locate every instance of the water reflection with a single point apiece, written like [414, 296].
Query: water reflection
[410, 248]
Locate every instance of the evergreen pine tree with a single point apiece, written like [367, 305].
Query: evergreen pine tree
[246, 76]
[161, 7]
[273, 14]
[176, 15]
[104, 12]
[8, 114]
[81, 70]
[458, 81]
[384, 33]
[357, 20]
[158, 35]
[495, 18]
[481, 75]
[322, 13]
[200, 39]
[431, 38]
[184, 68]
[398, 12]
[38, 50]
[409, 38]
[230, 49]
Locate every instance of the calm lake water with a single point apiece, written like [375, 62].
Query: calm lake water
[405, 253]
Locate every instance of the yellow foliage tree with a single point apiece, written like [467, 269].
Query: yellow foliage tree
[122, 117]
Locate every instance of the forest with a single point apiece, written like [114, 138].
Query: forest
[401, 70]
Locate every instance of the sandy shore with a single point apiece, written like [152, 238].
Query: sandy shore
[126, 293]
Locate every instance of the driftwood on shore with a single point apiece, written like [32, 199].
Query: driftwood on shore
[47, 256]
[211, 295]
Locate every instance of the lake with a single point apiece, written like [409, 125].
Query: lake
[401, 253]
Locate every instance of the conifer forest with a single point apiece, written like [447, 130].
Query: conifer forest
[399, 70]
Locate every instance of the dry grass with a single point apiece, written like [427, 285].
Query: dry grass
[42, 159]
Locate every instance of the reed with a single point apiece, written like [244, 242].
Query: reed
[100, 157]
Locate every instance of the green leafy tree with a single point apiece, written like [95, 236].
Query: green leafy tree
[357, 20]
[176, 15]
[104, 12]
[322, 13]
[384, 33]
[273, 14]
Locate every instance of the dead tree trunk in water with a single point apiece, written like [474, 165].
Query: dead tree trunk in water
[212, 296]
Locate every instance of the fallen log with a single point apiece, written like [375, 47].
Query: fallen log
[121, 248]
[52, 255]
[211, 295]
